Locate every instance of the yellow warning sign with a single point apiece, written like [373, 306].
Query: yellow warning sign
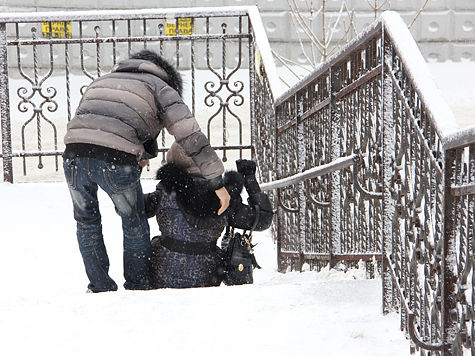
[186, 26]
[59, 29]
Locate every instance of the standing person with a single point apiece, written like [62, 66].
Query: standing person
[186, 255]
[109, 140]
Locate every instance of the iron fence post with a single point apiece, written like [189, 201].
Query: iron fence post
[471, 211]
[252, 90]
[301, 157]
[5, 108]
[449, 268]
[388, 161]
[335, 153]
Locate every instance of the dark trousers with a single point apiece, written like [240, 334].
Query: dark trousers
[122, 184]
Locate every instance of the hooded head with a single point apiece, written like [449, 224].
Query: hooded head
[174, 78]
[177, 155]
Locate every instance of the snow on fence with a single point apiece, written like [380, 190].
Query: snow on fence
[409, 203]
[57, 54]
[406, 205]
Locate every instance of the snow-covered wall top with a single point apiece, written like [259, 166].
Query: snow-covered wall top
[416, 67]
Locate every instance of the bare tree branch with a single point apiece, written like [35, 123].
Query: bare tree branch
[418, 13]
[283, 81]
[377, 7]
[323, 29]
[301, 42]
[289, 61]
[308, 31]
[285, 62]
[303, 21]
[351, 15]
[333, 30]
[347, 30]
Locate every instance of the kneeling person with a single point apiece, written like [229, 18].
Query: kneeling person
[186, 255]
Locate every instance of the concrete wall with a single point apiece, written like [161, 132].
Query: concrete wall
[444, 31]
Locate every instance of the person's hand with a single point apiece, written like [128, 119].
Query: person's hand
[224, 199]
[246, 167]
[144, 163]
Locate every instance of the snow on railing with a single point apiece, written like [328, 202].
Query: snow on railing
[129, 14]
[407, 206]
[410, 201]
[421, 78]
[340, 163]
[91, 42]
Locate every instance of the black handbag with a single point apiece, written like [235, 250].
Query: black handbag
[239, 260]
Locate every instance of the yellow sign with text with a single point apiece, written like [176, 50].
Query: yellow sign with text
[186, 26]
[59, 29]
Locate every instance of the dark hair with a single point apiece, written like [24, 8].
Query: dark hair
[174, 78]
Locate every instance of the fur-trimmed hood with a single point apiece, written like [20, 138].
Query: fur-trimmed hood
[192, 191]
[150, 62]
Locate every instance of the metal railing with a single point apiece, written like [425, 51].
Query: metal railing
[362, 158]
[408, 203]
[48, 59]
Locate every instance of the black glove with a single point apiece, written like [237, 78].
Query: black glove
[151, 201]
[246, 167]
[248, 170]
[151, 149]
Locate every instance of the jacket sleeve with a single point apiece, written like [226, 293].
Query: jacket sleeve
[152, 203]
[259, 211]
[244, 216]
[180, 123]
[151, 149]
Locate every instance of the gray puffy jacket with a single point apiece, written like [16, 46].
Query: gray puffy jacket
[127, 109]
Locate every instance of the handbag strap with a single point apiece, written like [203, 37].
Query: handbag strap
[230, 228]
[255, 222]
[256, 218]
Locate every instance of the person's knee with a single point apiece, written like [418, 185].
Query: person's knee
[125, 202]
[78, 200]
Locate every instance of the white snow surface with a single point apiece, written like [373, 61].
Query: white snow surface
[415, 65]
[456, 81]
[45, 311]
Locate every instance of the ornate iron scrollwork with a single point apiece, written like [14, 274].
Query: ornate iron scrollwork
[281, 203]
[218, 90]
[359, 164]
[416, 339]
[29, 101]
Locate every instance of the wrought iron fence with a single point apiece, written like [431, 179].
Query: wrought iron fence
[48, 59]
[407, 202]
[335, 112]
[358, 156]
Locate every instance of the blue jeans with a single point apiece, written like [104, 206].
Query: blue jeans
[122, 184]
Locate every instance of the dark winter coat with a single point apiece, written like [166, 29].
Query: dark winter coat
[186, 210]
[126, 110]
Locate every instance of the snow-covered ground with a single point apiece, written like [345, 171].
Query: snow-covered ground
[44, 309]
[456, 80]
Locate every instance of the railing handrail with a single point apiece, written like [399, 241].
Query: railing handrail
[411, 201]
[459, 138]
[340, 163]
[337, 57]
[263, 45]
[108, 15]
[250, 26]
[436, 106]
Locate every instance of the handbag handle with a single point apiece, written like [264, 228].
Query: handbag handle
[256, 221]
